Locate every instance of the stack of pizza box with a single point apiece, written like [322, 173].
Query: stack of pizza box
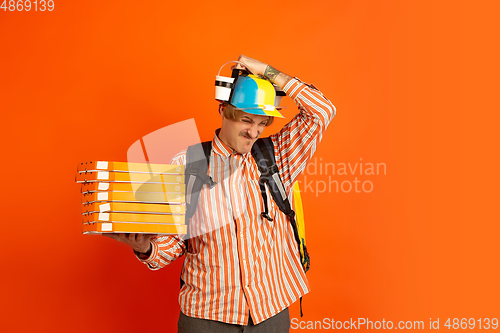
[122, 197]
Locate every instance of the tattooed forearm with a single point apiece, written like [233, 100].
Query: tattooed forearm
[271, 73]
[276, 77]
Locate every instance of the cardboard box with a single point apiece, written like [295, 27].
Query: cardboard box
[133, 187]
[111, 176]
[150, 228]
[145, 197]
[134, 217]
[127, 207]
[130, 167]
[132, 197]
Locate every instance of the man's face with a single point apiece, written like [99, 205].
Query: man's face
[241, 134]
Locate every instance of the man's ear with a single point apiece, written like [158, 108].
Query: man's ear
[221, 108]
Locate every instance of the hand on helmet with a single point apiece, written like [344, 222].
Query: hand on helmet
[255, 66]
[261, 69]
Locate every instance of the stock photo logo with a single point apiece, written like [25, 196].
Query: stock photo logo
[322, 177]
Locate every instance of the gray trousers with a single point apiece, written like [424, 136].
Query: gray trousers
[278, 324]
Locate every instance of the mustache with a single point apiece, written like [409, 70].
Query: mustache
[245, 135]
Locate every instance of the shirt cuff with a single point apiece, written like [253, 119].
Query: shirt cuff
[293, 87]
[154, 253]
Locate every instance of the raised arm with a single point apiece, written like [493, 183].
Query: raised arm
[296, 142]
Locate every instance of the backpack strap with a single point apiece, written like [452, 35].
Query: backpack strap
[196, 174]
[263, 153]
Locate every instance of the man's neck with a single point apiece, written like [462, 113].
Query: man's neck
[222, 137]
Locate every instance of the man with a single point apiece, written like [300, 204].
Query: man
[243, 274]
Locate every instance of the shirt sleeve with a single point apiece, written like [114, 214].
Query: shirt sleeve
[296, 142]
[165, 249]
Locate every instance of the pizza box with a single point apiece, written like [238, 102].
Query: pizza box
[146, 228]
[130, 167]
[133, 217]
[111, 176]
[127, 207]
[144, 197]
[132, 187]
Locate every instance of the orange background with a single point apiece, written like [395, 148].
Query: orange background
[411, 81]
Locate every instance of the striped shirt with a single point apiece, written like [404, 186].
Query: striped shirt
[241, 263]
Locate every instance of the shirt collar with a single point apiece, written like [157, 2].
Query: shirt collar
[223, 149]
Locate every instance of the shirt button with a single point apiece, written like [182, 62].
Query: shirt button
[241, 234]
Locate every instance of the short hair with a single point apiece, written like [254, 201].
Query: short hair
[232, 113]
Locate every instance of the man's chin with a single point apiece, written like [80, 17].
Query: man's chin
[245, 148]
